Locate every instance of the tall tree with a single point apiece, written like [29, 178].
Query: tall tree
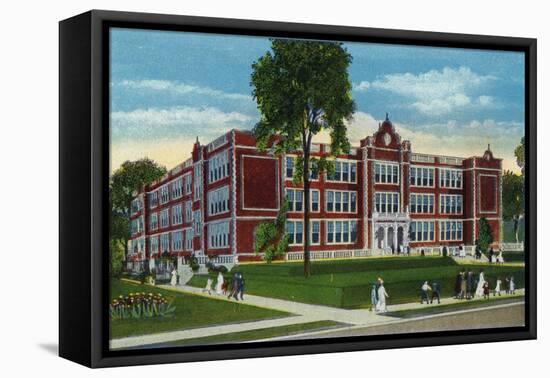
[130, 176]
[302, 88]
[485, 235]
[519, 153]
[513, 199]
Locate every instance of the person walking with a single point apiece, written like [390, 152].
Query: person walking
[382, 295]
[424, 296]
[373, 298]
[497, 287]
[469, 284]
[240, 293]
[463, 285]
[458, 285]
[234, 287]
[435, 293]
[480, 283]
[486, 290]
[512, 286]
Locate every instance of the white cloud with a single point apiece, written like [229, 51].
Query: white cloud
[437, 91]
[180, 88]
[184, 120]
[362, 86]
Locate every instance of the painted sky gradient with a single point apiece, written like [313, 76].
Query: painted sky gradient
[167, 88]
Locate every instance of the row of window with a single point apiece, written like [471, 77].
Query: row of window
[337, 232]
[344, 171]
[449, 230]
[386, 173]
[173, 241]
[218, 201]
[218, 166]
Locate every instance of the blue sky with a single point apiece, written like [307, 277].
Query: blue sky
[167, 88]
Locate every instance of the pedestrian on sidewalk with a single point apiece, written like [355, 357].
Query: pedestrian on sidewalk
[497, 287]
[512, 285]
[458, 284]
[463, 285]
[382, 295]
[470, 283]
[486, 290]
[208, 287]
[234, 287]
[424, 296]
[373, 297]
[240, 292]
[435, 293]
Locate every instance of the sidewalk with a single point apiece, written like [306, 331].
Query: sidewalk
[302, 313]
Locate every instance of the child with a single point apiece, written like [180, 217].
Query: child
[486, 290]
[208, 287]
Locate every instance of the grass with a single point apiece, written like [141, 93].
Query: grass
[347, 283]
[512, 257]
[437, 309]
[192, 311]
[259, 334]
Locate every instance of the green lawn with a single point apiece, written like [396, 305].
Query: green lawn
[259, 334]
[347, 283]
[510, 257]
[192, 311]
[464, 305]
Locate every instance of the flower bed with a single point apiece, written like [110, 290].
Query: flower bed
[141, 305]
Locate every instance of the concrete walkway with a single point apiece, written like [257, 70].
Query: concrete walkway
[302, 313]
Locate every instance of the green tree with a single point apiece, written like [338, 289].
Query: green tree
[519, 153]
[513, 199]
[130, 176]
[116, 257]
[270, 237]
[302, 88]
[485, 235]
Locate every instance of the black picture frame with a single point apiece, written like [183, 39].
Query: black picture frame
[83, 180]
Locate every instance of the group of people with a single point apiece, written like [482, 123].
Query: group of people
[425, 295]
[378, 296]
[467, 286]
[235, 287]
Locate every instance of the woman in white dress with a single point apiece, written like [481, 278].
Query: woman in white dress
[382, 295]
[174, 279]
[480, 282]
[497, 287]
[219, 284]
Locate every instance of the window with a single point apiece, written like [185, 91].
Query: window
[177, 188]
[136, 205]
[450, 230]
[177, 214]
[341, 201]
[164, 243]
[187, 183]
[315, 227]
[386, 202]
[385, 173]
[450, 204]
[295, 200]
[153, 244]
[197, 222]
[177, 241]
[450, 178]
[188, 212]
[344, 171]
[218, 235]
[421, 231]
[421, 176]
[189, 239]
[218, 167]
[197, 170]
[164, 195]
[218, 201]
[153, 199]
[314, 197]
[294, 232]
[341, 232]
[289, 167]
[153, 221]
[164, 218]
[422, 203]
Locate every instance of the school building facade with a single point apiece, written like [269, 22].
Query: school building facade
[382, 197]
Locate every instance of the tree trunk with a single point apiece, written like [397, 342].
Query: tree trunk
[516, 228]
[307, 263]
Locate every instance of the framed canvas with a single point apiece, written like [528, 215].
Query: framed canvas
[235, 188]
